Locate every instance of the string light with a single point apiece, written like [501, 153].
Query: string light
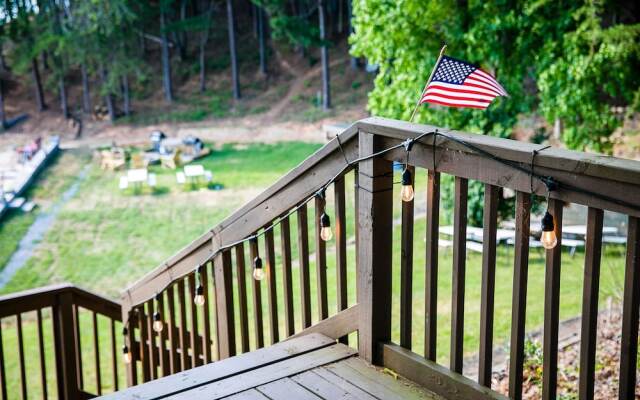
[408, 191]
[258, 271]
[325, 227]
[198, 299]
[158, 325]
[407, 186]
[126, 354]
[548, 238]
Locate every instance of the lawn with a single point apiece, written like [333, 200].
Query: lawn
[104, 239]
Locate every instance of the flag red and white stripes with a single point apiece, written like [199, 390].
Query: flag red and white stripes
[456, 83]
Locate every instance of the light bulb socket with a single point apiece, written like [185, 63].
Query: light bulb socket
[325, 221]
[125, 331]
[125, 349]
[156, 316]
[547, 222]
[199, 290]
[257, 263]
[407, 179]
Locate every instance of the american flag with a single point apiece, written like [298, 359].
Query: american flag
[456, 83]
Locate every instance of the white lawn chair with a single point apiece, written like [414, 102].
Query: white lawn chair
[124, 183]
[208, 176]
[151, 180]
[180, 178]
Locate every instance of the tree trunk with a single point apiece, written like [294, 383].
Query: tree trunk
[324, 53]
[64, 105]
[183, 42]
[166, 62]
[45, 61]
[231, 25]
[126, 102]
[86, 96]
[204, 38]
[261, 41]
[3, 61]
[254, 20]
[3, 117]
[38, 85]
[108, 99]
[354, 60]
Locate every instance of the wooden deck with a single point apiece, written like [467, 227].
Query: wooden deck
[309, 367]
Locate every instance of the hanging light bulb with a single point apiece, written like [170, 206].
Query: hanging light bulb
[548, 238]
[199, 297]
[258, 272]
[325, 227]
[407, 186]
[126, 355]
[157, 322]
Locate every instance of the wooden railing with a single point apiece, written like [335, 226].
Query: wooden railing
[231, 319]
[50, 357]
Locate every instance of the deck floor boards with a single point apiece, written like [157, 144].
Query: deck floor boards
[310, 367]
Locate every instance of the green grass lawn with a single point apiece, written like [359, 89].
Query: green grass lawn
[104, 239]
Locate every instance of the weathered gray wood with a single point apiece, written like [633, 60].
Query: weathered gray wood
[224, 302]
[375, 226]
[519, 296]
[286, 389]
[458, 273]
[381, 385]
[250, 394]
[257, 298]
[331, 386]
[269, 373]
[228, 368]
[552, 308]
[431, 274]
[434, 377]
[406, 272]
[271, 275]
[340, 227]
[287, 284]
[303, 260]
[336, 326]
[588, 332]
[321, 263]
[490, 224]
[629, 341]
[242, 298]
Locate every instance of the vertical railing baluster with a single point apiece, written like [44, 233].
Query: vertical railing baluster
[151, 341]
[458, 273]
[588, 332]
[114, 355]
[552, 307]
[23, 375]
[431, 274]
[341, 248]
[519, 297]
[303, 259]
[271, 274]
[257, 298]
[183, 334]
[631, 296]
[194, 334]
[375, 221]
[43, 366]
[78, 343]
[162, 337]
[144, 347]
[66, 346]
[285, 242]
[224, 301]
[130, 342]
[3, 373]
[174, 335]
[96, 352]
[242, 298]
[321, 262]
[406, 271]
[488, 286]
[206, 321]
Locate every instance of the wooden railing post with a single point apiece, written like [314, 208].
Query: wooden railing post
[374, 250]
[224, 303]
[64, 335]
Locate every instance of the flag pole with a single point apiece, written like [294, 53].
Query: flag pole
[415, 109]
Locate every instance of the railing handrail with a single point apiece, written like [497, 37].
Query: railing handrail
[597, 166]
[33, 299]
[242, 223]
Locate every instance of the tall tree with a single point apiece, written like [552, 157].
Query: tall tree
[233, 52]
[204, 38]
[86, 95]
[324, 53]
[37, 83]
[166, 62]
[262, 40]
